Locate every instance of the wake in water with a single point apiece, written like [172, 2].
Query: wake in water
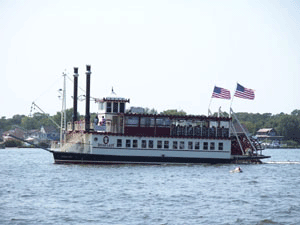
[283, 162]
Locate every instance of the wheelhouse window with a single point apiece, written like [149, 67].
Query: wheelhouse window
[166, 144]
[101, 106]
[150, 144]
[175, 145]
[181, 145]
[212, 145]
[190, 145]
[220, 146]
[135, 143]
[128, 143]
[205, 146]
[159, 144]
[144, 144]
[115, 105]
[119, 143]
[108, 107]
[197, 145]
[122, 107]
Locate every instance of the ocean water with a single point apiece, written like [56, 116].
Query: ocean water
[34, 190]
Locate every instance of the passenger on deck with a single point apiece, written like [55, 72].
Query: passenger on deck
[96, 120]
[103, 121]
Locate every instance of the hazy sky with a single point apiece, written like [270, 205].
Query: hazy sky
[161, 54]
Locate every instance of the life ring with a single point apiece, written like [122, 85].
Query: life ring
[106, 140]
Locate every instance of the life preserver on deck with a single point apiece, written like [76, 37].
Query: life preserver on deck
[106, 140]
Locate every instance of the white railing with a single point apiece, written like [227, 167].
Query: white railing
[80, 126]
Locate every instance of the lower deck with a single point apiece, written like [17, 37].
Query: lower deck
[148, 146]
[109, 148]
[81, 158]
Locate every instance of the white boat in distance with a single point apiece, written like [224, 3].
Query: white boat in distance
[117, 137]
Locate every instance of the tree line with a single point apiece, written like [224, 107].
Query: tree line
[287, 125]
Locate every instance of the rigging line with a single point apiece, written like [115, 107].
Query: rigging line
[73, 82]
[47, 89]
[92, 98]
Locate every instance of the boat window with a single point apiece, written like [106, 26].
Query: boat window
[212, 145]
[213, 124]
[181, 145]
[101, 106]
[122, 107]
[159, 144]
[147, 122]
[115, 107]
[128, 143]
[144, 143]
[163, 122]
[224, 124]
[108, 107]
[190, 145]
[197, 145]
[205, 145]
[135, 143]
[175, 144]
[166, 144]
[95, 139]
[221, 146]
[150, 144]
[132, 121]
[119, 143]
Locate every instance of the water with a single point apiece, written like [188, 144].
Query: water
[34, 190]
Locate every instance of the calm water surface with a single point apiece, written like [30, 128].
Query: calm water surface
[34, 190]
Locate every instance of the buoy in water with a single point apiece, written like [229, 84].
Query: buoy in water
[236, 170]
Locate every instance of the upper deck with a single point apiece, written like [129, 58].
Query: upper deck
[161, 125]
[113, 118]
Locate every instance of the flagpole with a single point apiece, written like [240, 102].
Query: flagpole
[209, 112]
[232, 101]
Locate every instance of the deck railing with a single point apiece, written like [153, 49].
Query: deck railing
[80, 126]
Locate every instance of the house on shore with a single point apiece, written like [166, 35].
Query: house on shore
[49, 133]
[18, 132]
[269, 137]
[43, 135]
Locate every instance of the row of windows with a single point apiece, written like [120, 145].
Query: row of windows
[171, 145]
[114, 107]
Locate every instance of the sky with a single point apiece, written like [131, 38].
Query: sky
[161, 54]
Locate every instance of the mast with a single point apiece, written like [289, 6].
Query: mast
[63, 113]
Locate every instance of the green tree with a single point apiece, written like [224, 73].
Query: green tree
[296, 112]
[13, 143]
[69, 116]
[173, 112]
[150, 111]
[16, 119]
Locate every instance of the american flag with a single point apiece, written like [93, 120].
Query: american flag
[242, 92]
[221, 93]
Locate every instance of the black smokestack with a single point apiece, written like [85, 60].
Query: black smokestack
[87, 98]
[75, 96]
